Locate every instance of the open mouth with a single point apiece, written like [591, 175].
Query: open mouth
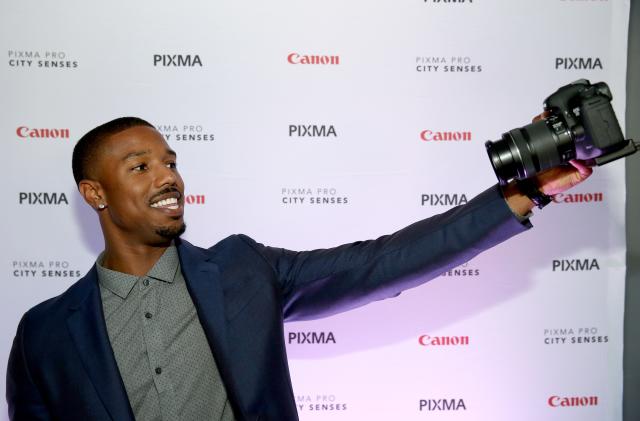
[168, 203]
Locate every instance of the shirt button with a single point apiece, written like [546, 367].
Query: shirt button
[145, 282]
[148, 315]
[158, 370]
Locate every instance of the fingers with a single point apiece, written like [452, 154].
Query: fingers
[542, 116]
[583, 169]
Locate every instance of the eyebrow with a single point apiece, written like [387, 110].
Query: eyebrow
[145, 152]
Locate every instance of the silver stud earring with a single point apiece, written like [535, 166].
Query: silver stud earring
[101, 206]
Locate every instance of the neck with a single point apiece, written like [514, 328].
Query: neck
[134, 259]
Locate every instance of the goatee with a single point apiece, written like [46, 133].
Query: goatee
[171, 232]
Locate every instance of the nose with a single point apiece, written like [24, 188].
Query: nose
[166, 176]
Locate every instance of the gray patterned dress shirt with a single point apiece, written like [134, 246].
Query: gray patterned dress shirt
[162, 353]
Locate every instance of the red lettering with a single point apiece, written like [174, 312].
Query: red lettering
[557, 401]
[25, 132]
[295, 58]
[427, 340]
[429, 135]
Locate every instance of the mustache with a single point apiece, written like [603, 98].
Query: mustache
[164, 191]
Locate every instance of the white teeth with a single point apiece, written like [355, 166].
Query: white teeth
[171, 203]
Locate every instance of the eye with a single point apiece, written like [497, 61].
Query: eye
[139, 168]
[172, 165]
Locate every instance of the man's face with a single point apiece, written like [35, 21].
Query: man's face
[141, 184]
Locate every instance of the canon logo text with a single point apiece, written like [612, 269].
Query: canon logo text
[435, 136]
[25, 132]
[427, 340]
[295, 58]
[578, 197]
[558, 402]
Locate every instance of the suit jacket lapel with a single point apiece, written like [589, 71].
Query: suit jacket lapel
[89, 332]
[202, 277]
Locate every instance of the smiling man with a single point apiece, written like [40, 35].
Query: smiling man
[159, 329]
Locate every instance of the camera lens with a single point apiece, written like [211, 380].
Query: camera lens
[524, 152]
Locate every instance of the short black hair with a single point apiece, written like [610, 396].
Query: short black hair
[85, 151]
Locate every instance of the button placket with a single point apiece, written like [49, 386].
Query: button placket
[153, 334]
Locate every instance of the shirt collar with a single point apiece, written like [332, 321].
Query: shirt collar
[167, 265]
[121, 283]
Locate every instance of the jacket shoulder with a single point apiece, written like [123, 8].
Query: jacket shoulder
[229, 245]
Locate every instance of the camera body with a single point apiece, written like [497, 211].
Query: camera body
[581, 124]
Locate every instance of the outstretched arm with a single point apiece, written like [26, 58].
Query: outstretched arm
[323, 282]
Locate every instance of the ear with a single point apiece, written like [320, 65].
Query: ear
[92, 193]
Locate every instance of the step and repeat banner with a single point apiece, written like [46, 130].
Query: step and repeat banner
[308, 124]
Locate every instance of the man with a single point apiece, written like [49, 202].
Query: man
[161, 329]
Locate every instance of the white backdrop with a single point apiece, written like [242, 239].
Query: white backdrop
[530, 322]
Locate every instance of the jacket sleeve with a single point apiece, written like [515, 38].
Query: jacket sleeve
[23, 397]
[323, 282]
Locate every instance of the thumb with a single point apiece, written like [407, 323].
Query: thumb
[583, 170]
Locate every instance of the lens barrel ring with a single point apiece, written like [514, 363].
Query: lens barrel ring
[520, 148]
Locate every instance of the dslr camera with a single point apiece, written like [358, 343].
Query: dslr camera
[581, 124]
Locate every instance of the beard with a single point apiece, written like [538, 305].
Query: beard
[171, 232]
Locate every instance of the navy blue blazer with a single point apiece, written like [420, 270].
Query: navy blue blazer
[62, 366]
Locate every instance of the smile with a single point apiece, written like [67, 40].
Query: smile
[170, 203]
